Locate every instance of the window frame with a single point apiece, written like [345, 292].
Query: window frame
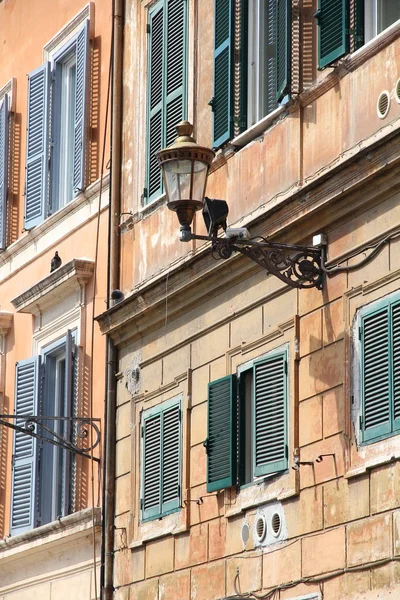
[160, 409]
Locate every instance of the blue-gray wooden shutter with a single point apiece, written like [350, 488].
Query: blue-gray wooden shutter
[81, 107]
[67, 430]
[25, 450]
[270, 415]
[376, 374]
[155, 93]
[3, 170]
[222, 433]
[283, 48]
[333, 25]
[171, 459]
[152, 443]
[271, 52]
[37, 147]
[222, 101]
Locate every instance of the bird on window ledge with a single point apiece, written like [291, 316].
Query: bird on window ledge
[56, 262]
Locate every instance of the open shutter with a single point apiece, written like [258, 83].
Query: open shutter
[24, 475]
[221, 103]
[395, 317]
[271, 50]
[3, 170]
[171, 452]
[283, 48]
[151, 493]
[155, 101]
[270, 415]
[175, 110]
[81, 107]
[333, 24]
[221, 441]
[37, 147]
[375, 374]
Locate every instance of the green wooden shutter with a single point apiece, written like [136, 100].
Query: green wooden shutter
[271, 52]
[175, 109]
[270, 415]
[221, 441]
[283, 48]
[155, 100]
[81, 107]
[395, 317]
[223, 94]
[359, 16]
[3, 170]
[151, 493]
[171, 459]
[25, 451]
[333, 24]
[375, 374]
[37, 147]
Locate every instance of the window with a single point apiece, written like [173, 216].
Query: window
[161, 460]
[57, 118]
[167, 82]
[252, 63]
[345, 25]
[4, 117]
[247, 423]
[42, 479]
[379, 344]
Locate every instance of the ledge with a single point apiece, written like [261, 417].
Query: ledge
[58, 284]
[6, 320]
[73, 526]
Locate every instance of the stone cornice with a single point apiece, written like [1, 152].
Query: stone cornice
[331, 196]
[58, 284]
[6, 321]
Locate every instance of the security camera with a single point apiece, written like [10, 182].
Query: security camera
[241, 233]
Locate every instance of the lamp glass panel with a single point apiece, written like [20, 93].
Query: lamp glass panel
[178, 174]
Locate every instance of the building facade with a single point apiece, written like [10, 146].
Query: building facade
[54, 73]
[257, 423]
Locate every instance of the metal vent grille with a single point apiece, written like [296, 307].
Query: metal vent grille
[383, 104]
[261, 528]
[397, 91]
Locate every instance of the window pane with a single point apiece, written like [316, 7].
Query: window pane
[388, 13]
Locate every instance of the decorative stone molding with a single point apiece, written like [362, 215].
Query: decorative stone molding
[59, 284]
[6, 320]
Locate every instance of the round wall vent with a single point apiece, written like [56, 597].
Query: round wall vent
[245, 533]
[276, 524]
[261, 528]
[397, 91]
[383, 104]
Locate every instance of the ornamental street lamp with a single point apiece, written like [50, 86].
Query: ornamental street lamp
[185, 166]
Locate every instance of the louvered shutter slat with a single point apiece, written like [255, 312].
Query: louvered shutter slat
[37, 167]
[81, 108]
[222, 101]
[396, 364]
[171, 459]
[221, 442]
[270, 415]
[376, 386]
[3, 170]
[24, 476]
[271, 52]
[283, 48]
[176, 67]
[333, 24]
[152, 467]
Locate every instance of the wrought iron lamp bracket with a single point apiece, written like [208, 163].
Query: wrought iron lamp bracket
[38, 427]
[297, 266]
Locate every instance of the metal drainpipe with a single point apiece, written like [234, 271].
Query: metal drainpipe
[107, 587]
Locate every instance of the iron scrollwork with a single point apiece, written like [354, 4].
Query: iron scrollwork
[297, 266]
[38, 427]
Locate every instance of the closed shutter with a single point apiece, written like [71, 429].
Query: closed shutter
[270, 415]
[81, 107]
[37, 147]
[151, 500]
[333, 23]
[223, 94]
[67, 429]
[221, 441]
[176, 68]
[3, 170]
[25, 451]
[375, 378]
[155, 101]
[396, 364]
[271, 57]
[171, 453]
[283, 48]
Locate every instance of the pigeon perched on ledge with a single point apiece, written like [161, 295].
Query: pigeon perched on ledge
[55, 262]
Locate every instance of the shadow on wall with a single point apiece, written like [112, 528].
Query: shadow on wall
[15, 183]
